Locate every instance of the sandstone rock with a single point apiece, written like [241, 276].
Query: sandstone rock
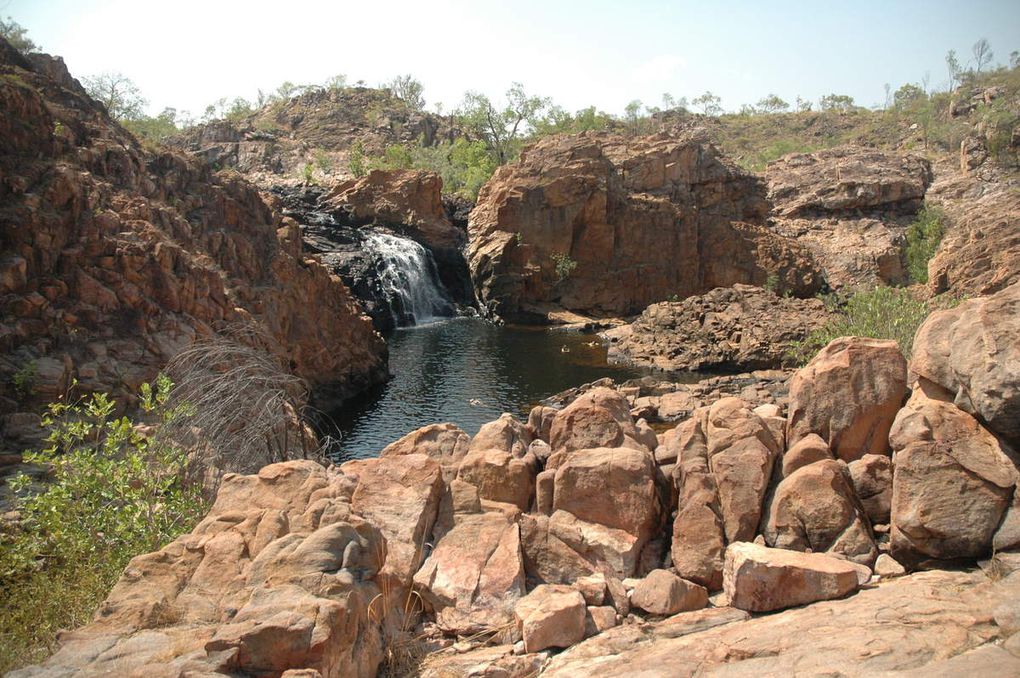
[925, 618]
[849, 395]
[407, 199]
[741, 327]
[573, 195]
[807, 450]
[952, 483]
[761, 579]
[815, 509]
[609, 486]
[886, 567]
[726, 458]
[401, 496]
[545, 487]
[599, 619]
[475, 574]
[598, 418]
[971, 351]
[551, 616]
[872, 476]
[663, 593]
[592, 588]
[499, 476]
[849, 206]
[540, 421]
[281, 574]
[445, 443]
[506, 434]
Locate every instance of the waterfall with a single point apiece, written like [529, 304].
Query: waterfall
[409, 279]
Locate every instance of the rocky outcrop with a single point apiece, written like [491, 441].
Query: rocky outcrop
[116, 257]
[606, 225]
[850, 207]
[970, 354]
[740, 327]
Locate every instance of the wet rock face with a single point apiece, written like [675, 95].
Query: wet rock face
[849, 206]
[739, 327]
[357, 228]
[116, 257]
[602, 224]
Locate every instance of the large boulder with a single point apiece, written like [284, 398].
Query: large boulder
[849, 395]
[761, 579]
[726, 456]
[475, 574]
[281, 574]
[816, 509]
[872, 476]
[663, 593]
[445, 443]
[623, 211]
[499, 464]
[598, 418]
[972, 352]
[953, 482]
[551, 616]
[739, 327]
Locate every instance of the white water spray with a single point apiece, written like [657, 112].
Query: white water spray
[409, 279]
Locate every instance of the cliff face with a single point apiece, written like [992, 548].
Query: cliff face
[643, 219]
[115, 256]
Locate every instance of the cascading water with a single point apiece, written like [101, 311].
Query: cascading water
[409, 279]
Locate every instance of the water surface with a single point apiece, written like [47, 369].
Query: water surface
[468, 371]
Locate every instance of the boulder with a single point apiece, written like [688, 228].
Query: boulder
[445, 443]
[815, 509]
[551, 616]
[561, 548]
[506, 434]
[952, 483]
[568, 199]
[739, 327]
[663, 593]
[872, 476]
[474, 575]
[726, 455]
[886, 567]
[401, 496]
[849, 395]
[807, 450]
[598, 418]
[761, 579]
[613, 487]
[599, 618]
[972, 353]
[499, 476]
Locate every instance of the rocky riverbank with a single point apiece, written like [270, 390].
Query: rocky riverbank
[584, 529]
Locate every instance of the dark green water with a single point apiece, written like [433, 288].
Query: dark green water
[468, 371]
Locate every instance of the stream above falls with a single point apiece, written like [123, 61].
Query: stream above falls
[467, 371]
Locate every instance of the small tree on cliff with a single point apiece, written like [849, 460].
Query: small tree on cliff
[121, 97]
[409, 90]
[772, 104]
[17, 35]
[709, 103]
[502, 128]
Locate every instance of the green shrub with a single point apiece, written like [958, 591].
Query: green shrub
[24, 378]
[110, 494]
[356, 160]
[564, 265]
[923, 238]
[881, 313]
[308, 173]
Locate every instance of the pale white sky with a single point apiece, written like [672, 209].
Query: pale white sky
[188, 53]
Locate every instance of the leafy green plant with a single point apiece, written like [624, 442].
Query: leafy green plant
[323, 161]
[923, 238]
[772, 283]
[564, 265]
[356, 160]
[308, 173]
[24, 378]
[110, 494]
[881, 313]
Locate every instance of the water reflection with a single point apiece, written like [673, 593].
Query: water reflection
[469, 372]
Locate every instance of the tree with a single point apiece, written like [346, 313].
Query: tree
[803, 105]
[501, 128]
[671, 104]
[17, 35]
[632, 112]
[708, 103]
[982, 54]
[409, 90]
[772, 104]
[908, 95]
[337, 82]
[842, 103]
[954, 68]
[121, 97]
[1014, 59]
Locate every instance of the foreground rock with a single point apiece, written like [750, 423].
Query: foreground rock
[597, 224]
[739, 327]
[850, 207]
[551, 616]
[927, 621]
[953, 482]
[760, 579]
[971, 353]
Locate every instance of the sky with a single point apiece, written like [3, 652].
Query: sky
[188, 54]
